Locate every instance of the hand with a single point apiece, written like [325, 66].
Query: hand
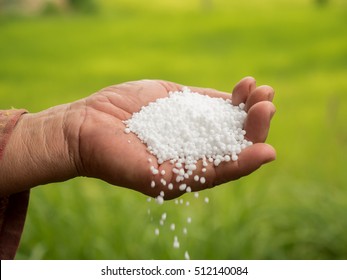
[102, 149]
[87, 138]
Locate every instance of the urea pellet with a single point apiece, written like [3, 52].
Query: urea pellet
[183, 128]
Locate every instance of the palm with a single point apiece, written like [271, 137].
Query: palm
[106, 152]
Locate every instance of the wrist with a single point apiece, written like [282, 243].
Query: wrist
[38, 151]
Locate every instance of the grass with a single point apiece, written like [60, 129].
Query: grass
[294, 208]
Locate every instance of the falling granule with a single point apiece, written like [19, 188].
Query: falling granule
[156, 231]
[186, 255]
[176, 244]
[206, 200]
[172, 227]
[159, 199]
[185, 231]
[189, 220]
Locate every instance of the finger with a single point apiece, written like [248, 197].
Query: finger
[250, 159]
[242, 90]
[257, 123]
[261, 93]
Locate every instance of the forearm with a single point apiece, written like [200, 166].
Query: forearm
[37, 152]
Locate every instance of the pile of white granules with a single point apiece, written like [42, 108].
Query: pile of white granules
[186, 127]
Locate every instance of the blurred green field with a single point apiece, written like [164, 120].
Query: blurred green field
[293, 208]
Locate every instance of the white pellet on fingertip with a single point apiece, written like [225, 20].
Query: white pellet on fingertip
[202, 180]
[163, 182]
[216, 162]
[154, 170]
[182, 187]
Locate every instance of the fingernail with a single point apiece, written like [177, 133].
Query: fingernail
[272, 112]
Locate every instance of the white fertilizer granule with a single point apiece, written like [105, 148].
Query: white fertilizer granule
[176, 243]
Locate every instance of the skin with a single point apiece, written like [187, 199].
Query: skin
[87, 138]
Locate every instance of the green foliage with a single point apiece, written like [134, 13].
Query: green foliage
[294, 208]
[87, 6]
[321, 2]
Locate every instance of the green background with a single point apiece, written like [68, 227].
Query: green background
[293, 208]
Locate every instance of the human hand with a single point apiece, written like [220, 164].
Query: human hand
[104, 151]
[86, 138]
